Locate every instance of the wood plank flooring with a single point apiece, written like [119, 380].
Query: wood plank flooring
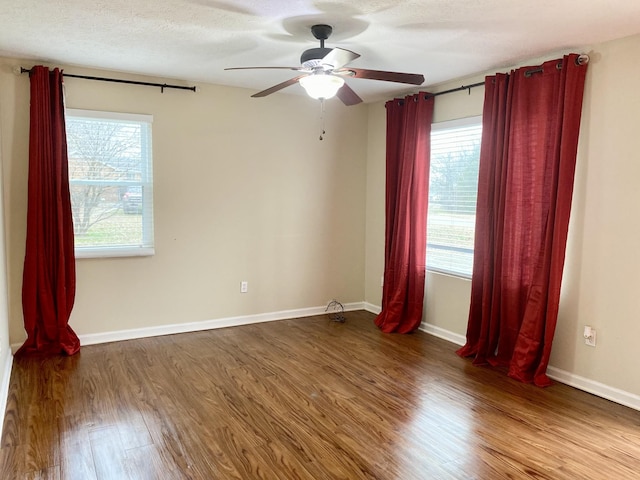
[302, 399]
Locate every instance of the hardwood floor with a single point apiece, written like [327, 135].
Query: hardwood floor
[302, 399]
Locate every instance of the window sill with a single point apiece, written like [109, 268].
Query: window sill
[108, 252]
[461, 276]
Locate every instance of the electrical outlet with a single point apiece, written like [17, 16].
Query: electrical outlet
[244, 286]
[591, 340]
[589, 336]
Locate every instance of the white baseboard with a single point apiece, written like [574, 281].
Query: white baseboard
[442, 333]
[4, 386]
[426, 327]
[370, 307]
[590, 386]
[119, 335]
[596, 388]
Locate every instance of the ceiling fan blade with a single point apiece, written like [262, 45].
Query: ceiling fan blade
[411, 78]
[277, 87]
[298, 69]
[339, 57]
[348, 96]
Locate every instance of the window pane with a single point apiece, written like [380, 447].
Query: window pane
[110, 179]
[453, 188]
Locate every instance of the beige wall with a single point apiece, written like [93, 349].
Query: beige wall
[374, 250]
[244, 190]
[601, 280]
[5, 352]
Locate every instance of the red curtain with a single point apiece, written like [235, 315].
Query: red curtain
[531, 121]
[407, 192]
[49, 278]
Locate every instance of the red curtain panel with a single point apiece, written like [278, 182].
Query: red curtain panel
[531, 121]
[49, 278]
[407, 192]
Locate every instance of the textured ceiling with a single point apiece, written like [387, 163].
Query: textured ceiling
[195, 40]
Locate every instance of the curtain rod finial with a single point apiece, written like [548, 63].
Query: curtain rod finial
[582, 59]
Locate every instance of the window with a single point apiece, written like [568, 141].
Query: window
[110, 178]
[453, 189]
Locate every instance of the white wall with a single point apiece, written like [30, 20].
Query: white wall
[244, 190]
[601, 280]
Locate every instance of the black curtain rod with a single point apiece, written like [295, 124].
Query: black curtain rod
[162, 86]
[580, 60]
[444, 92]
[452, 90]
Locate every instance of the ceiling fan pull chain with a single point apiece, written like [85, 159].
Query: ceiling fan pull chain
[322, 118]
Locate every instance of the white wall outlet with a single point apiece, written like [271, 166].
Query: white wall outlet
[589, 336]
[244, 286]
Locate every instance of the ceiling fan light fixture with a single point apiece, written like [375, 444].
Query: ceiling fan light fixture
[321, 85]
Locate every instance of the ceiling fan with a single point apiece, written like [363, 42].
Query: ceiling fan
[323, 71]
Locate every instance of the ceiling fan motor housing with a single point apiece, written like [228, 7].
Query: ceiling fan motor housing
[312, 57]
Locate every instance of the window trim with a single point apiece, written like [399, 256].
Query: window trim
[114, 251]
[457, 122]
[445, 125]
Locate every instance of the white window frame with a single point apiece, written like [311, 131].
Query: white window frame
[146, 248]
[435, 127]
